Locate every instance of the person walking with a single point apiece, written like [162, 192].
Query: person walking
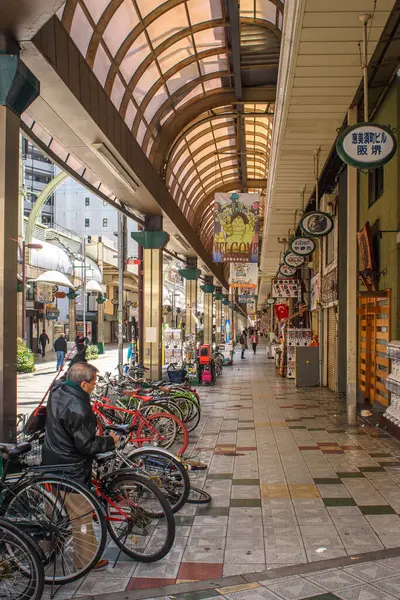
[60, 346]
[254, 341]
[243, 342]
[70, 438]
[43, 341]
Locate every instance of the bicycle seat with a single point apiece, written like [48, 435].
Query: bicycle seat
[124, 429]
[103, 457]
[165, 388]
[14, 450]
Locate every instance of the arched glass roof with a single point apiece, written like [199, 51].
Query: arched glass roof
[156, 59]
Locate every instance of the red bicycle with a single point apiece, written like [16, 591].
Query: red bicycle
[158, 429]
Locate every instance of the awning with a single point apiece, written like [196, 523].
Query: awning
[93, 286]
[55, 278]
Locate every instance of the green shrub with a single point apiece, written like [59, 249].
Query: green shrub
[92, 353]
[25, 358]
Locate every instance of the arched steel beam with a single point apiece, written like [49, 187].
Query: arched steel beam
[193, 108]
[167, 75]
[145, 64]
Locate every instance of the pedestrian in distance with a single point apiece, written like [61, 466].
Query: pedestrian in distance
[60, 346]
[243, 342]
[43, 341]
[254, 341]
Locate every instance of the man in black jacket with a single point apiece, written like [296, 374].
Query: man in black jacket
[43, 341]
[71, 439]
[60, 346]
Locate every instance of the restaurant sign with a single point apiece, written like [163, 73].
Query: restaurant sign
[302, 245]
[366, 145]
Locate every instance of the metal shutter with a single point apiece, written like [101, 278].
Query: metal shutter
[332, 349]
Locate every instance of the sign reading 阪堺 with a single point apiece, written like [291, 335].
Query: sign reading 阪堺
[366, 145]
[236, 223]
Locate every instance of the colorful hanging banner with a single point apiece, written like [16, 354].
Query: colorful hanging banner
[236, 225]
[243, 275]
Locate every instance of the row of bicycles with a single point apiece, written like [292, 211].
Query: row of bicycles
[54, 531]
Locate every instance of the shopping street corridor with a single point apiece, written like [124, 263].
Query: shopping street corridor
[295, 492]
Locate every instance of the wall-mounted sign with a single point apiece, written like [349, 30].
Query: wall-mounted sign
[271, 301]
[302, 245]
[366, 145]
[285, 289]
[245, 299]
[293, 260]
[316, 223]
[315, 299]
[287, 271]
[52, 313]
[236, 224]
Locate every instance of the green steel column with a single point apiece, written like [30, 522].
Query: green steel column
[18, 89]
[153, 240]
[208, 289]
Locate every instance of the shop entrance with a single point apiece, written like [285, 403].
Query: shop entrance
[374, 332]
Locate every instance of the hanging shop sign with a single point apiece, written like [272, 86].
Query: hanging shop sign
[243, 275]
[303, 246]
[52, 313]
[286, 271]
[281, 311]
[316, 223]
[368, 270]
[329, 287]
[293, 260]
[271, 301]
[285, 289]
[246, 298]
[366, 145]
[236, 226]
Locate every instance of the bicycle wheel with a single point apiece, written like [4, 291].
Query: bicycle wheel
[172, 432]
[166, 471]
[64, 519]
[164, 405]
[197, 496]
[21, 567]
[132, 518]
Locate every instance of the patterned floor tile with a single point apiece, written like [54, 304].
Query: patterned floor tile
[334, 580]
[199, 571]
[365, 592]
[294, 589]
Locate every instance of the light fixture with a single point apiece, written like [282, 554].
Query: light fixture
[108, 158]
[179, 240]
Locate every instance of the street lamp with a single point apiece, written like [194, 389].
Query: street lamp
[24, 248]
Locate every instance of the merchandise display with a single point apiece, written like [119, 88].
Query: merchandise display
[393, 383]
[173, 344]
[295, 337]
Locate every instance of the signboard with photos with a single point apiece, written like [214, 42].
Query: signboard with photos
[243, 275]
[286, 288]
[236, 227]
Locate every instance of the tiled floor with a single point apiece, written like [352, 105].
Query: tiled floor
[291, 484]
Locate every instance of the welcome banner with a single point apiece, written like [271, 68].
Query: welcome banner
[236, 226]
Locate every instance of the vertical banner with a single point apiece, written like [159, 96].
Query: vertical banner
[244, 275]
[236, 226]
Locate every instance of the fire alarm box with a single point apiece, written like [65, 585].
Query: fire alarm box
[204, 354]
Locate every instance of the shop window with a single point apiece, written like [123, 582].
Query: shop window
[87, 201]
[87, 222]
[375, 185]
[105, 223]
[329, 248]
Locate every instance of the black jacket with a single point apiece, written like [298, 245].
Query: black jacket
[71, 431]
[60, 344]
[44, 339]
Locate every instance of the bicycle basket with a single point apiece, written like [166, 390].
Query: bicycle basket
[36, 421]
[34, 456]
[177, 376]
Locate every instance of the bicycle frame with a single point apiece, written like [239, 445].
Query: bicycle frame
[137, 417]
